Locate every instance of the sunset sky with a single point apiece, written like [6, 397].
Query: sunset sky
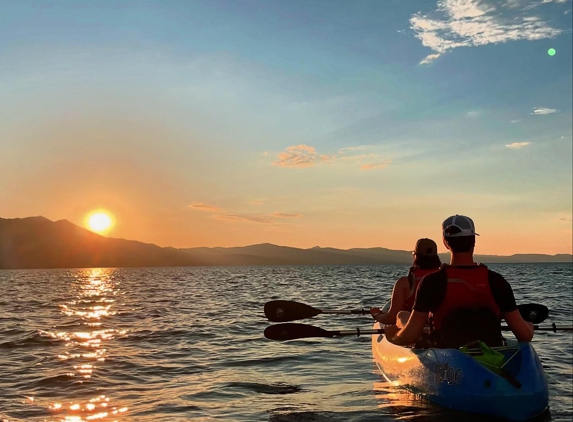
[299, 123]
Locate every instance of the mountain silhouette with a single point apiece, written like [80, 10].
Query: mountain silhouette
[36, 242]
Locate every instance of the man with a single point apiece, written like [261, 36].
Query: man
[458, 292]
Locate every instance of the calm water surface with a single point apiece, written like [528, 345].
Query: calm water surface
[179, 344]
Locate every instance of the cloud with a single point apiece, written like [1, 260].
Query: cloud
[513, 3]
[258, 202]
[471, 23]
[517, 145]
[473, 114]
[516, 121]
[375, 166]
[430, 58]
[544, 111]
[536, 4]
[286, 215]
[359, 157]
[246, 218]
[346, 149]
[300, 156]
[204, 207]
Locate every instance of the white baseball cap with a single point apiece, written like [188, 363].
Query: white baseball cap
[458, 226]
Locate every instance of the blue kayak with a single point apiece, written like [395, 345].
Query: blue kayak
[456, 380]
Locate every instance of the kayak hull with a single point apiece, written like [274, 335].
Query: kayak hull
[457, 381]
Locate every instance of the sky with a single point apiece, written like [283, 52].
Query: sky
[299, 123]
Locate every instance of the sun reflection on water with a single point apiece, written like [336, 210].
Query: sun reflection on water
[95, 296]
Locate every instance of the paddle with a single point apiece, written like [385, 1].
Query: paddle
[288, 310]
[533, 312]
[293, 331]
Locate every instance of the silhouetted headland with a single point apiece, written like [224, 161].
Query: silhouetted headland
[36, 242]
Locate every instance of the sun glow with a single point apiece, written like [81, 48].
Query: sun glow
[99, 221]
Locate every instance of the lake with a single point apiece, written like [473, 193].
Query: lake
[186, 343]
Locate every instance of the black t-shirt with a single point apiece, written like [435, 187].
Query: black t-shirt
[432, 291]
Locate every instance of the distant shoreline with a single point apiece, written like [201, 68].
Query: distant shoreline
[255, 266]
[39, 243]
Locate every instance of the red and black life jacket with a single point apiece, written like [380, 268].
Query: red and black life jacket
[414, 276]
[467, 288]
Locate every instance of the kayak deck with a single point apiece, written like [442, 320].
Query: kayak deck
[455, 380]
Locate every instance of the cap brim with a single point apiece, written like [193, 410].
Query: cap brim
[460, 235]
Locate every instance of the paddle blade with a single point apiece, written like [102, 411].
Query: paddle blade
[533, 312]
[287, 310]
[291, 331]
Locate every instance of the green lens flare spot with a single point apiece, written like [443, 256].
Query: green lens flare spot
[551, 51]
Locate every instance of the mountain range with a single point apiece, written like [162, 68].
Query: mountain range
[37, 242]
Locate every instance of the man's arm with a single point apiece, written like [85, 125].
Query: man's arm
[503, 294]
[412, 330]
[522, 329]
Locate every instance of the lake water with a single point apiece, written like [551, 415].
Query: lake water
[181, 344]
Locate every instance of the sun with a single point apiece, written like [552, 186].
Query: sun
[99, 221]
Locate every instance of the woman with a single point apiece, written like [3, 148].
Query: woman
[426, 261]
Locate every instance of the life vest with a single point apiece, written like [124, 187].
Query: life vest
[466, 288]
[414, 276]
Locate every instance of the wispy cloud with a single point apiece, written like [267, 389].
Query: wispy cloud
[516, 121]
[470, 23]
[517, 145]
[375, 166]
[286, 215]
[300, 156]
[204, 207]
[430, 58]
[537, 4]
[359, 157]
[347, 149]
[543, 110]
[256, 202]
[513, 3]
[473, 114]
[246, 218]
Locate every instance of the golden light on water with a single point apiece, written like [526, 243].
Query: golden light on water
[91, 307]
[398, 399]
[100, 221]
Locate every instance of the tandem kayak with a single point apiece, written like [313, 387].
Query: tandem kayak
[454, 379]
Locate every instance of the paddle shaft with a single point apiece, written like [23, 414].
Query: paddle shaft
[358, 332]
[351, 312]
[553, 328]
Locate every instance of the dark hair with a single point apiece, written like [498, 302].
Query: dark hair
[427, 262]
[460, 244]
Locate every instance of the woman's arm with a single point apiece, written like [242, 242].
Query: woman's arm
[399, 295]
